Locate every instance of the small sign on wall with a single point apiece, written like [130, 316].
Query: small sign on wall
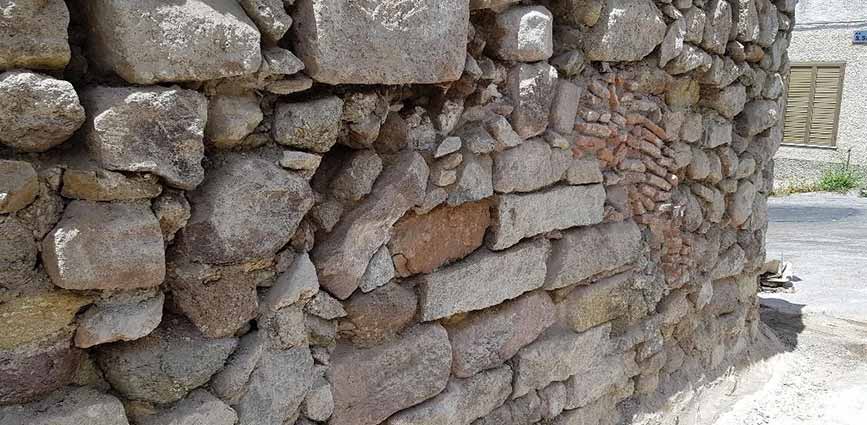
[860, 37]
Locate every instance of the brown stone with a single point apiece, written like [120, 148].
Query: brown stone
[428, 241]
[379, 315]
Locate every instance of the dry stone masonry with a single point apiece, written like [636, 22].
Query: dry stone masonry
[360, 212]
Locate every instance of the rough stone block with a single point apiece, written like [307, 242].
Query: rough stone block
[489, 338]
[37, 112]
[381, 42]
[585, 252]
[311, 125]
[33, 34]
[71, 406]
[369, 385]
[276, 387]
[121, 321]
[342, 256]
[422, 243]
[152, 41]
[462, 402]
[238, 187]
[628, 30]
[19, 185]
[156, 130]
[199, 407]
[104, 185]
[530, 166]
[523, 34]
[105, 246]
[597, 303]
[532, 88]
[380, 315]
[482, 280]
[521, 216]
[558, 354]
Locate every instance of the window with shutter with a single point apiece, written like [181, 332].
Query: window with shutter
[813, 107]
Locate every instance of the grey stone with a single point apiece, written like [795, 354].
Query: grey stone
[37, 112]
[584, 171]
[447, 146]
[695, 22]
[730, 263]
[369, 385]
[746, 19]
[520, 411]
[18, 254]
[699, 167]
[151, 41]
[569, 64]
[498, 276]
[532, 88]
[319, 402]
[165, 365]
[125, 321]
[276, 387]
[718, 26]
[558, 354]
[346, 42]
[773, 87]
[280, 61]
[325, 307]
[293, 84]
[565, 107]
[758, 116]
[34, 35]
[298, 283]
[693, 128]
[70, 406]
[239, 187]
[592, 305]
[717, 131]
[92, 245]
[769, 23]
[627, 31]
[475, 180]
[741, 204]
[270, 16]
[722, 73]
[521, 216]
[553, 400]
[342, 256]
[355, 179]
[529, 166]
[496, 5]
[578, 12]
[199, 407]
[728, 101]
[300, 161]
[157, 130]
[311, 125]
[477, 139]
[585, 252]
[379, 271]
[19, 185]
[231, 119]
[229, 383]
[489, 338]
[690, 58]
[462, 402]
[380, 315]
[596, 379]
[672, 44]
[523, 34]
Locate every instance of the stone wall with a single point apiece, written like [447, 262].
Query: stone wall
[380, 211]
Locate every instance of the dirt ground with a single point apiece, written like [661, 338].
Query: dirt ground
[820, 376]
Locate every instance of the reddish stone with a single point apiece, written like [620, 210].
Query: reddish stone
[421, 243]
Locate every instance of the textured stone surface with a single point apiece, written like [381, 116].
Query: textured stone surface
[516, 217]
[19, 185]
[585, 252]
[276, 387]
[532, 88]
[555, 356]
[474, 180]
[342, 257]
[199, 407]
[157, 130]
[237, 187]
[627, 30]
[481, 280]
[372, 384]
[422, 243]
[105, 246]
[355, 179]
[345, 42]
[311, 125]
[18, 254]
[165, 365]
[380, 315]
[758, 116]
[718, 26]
[270, 16]
[71, 406]
[121, 321]
[530, 166]
[379, 271]
[151, 41]
[231, 119]
[523, 34]
[36, 352]
[34, 35]
[104, 185]
[463, 400]
[489, 338]
[595, 304]
[37, 112]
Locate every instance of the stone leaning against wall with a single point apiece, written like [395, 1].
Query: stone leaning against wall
[379, 211]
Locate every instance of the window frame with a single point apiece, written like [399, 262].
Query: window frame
[814, 66]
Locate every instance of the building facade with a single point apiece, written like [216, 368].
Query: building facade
[827, 107]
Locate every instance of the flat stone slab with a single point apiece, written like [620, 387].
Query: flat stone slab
[585, 252]
[381, 42]
[482, 280]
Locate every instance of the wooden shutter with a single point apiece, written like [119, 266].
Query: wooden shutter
[813, 107]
